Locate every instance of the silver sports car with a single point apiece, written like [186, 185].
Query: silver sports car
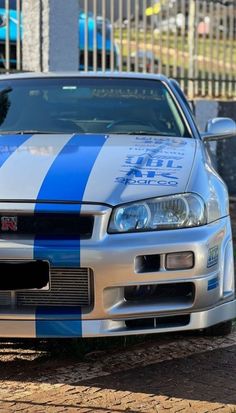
[113, 220]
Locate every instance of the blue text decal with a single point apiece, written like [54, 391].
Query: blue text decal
[214, 283]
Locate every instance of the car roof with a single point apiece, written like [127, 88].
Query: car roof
[122, 75]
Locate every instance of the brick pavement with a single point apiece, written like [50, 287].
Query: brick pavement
[171, 374]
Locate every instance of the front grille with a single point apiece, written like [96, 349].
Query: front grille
[5, 298]
[50, 224]
[68, 287]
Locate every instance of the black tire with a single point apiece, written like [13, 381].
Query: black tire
[222, 329]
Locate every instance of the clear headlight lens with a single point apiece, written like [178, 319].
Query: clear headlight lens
[177, 211]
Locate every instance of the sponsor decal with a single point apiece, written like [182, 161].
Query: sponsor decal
[174, 142]
[151, 182]
[212, 284]
[153, 161]
[213, 256]
[9, 224]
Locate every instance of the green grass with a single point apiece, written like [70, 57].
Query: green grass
[211, 54]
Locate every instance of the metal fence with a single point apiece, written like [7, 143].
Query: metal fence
[193, 41]
[10, 35]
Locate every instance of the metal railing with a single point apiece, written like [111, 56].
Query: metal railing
[193, 41]
[10, 35]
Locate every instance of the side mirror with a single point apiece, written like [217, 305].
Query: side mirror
[219, 128]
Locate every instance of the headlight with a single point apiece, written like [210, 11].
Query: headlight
[177, 211]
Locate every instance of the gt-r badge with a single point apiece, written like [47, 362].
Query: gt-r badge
[9, 224]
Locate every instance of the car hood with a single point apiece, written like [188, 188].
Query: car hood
[93, 168]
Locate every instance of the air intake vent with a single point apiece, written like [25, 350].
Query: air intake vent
[159, 322]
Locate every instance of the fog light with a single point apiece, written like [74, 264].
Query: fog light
[180, 260]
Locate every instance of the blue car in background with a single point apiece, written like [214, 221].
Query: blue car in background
[98, 26]
[92, 25]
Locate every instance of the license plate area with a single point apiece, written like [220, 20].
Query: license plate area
[31, 275]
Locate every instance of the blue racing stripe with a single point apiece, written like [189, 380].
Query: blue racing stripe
[58, 313]
[9, 144]
[67, 178]
[54, 322]
[66, 181]
[56, 328]
[59, 252]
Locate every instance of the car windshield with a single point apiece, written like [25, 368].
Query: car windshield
[89, 105]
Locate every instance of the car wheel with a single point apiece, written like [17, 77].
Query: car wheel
[222, 329]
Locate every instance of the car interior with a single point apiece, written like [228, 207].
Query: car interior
[89, 111]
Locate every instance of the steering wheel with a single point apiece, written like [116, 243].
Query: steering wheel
[129, 122]
[69, 126]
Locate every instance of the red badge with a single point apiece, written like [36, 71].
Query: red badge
[9, 224]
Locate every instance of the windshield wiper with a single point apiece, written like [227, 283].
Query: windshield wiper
[6, 90]
[142, 133]
[29, 132]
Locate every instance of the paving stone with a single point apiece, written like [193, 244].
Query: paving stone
[171, 374]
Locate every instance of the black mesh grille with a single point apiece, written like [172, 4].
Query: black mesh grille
[159, 322]
[56, 225]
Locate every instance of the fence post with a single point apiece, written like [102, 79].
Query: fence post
[50, 38]
[191, 47]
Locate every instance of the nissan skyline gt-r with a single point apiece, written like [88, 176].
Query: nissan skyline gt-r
[113, 220]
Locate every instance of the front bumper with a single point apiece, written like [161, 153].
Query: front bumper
[197, 321]
[16, 324]
[113, 259]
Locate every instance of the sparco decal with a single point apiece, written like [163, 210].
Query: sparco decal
[155, 182]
